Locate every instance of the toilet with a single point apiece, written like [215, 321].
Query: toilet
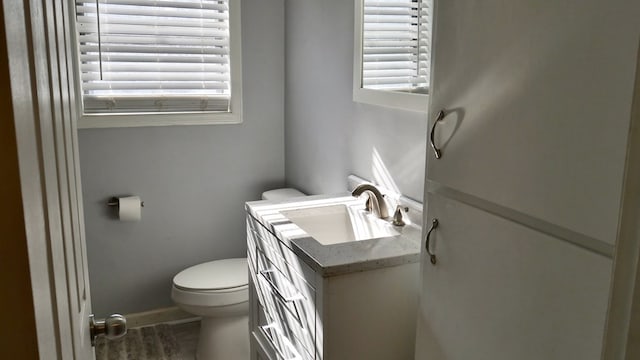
[218, 292]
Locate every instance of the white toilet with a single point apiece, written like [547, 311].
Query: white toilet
[218, 292]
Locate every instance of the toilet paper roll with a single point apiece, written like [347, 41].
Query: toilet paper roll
[129, 208]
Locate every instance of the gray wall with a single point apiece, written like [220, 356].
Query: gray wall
[194, 181]
[328, 136]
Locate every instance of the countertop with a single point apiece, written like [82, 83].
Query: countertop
[342, 258]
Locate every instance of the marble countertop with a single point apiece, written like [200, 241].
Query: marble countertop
[342, 258]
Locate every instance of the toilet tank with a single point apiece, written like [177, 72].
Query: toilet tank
[281, 194]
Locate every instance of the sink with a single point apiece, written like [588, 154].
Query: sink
[334, 224]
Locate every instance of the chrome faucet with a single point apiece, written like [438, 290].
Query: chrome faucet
[376, 199]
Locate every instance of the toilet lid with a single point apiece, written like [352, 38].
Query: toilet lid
[219, 274]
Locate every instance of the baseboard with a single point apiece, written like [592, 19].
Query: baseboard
[170, 315]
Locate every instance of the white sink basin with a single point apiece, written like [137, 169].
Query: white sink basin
[336, 224]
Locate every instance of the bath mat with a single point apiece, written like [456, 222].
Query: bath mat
[147, 343]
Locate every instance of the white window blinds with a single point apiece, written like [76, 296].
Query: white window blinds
[396, 44]
[143, 56]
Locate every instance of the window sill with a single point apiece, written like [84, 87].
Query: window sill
[392, 99]
[156, 119]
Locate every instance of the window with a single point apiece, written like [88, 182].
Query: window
[177, 60]
[392, 54]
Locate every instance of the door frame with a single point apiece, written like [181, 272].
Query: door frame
[622, 333]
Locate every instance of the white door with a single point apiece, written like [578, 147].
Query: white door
[70, 190]
[38, 43]
[537, 98]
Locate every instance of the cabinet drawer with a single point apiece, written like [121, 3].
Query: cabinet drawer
[292, 320]
[279, 341]
[279, 254]
[284, 302]
[253, 226]
[284, 348]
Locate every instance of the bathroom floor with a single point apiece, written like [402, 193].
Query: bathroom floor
[158, 342]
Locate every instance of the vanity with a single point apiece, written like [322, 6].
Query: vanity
[329, 280]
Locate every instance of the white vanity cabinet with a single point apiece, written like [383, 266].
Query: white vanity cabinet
[296, 313]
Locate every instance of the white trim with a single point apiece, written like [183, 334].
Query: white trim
[393, 99]
[144, 120]
[88, 121]
[623, 318]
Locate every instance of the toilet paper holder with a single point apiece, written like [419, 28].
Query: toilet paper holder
[114, 201]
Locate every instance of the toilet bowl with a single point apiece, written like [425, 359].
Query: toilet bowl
[218, 292]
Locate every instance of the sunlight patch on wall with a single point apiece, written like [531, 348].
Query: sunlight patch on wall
[382, 176]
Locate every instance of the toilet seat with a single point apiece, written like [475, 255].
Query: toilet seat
[214, 283]
[214, 275]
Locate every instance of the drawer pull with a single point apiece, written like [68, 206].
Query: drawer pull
[432, 256]
[276, 290]
[267, 331]
[436, 151]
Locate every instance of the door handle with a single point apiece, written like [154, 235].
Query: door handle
[432, 256]
[113, 327]
[436, 151]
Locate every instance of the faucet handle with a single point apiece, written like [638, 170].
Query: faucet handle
[397, 216]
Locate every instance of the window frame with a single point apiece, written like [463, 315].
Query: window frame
[144, 119]
[386, 98]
